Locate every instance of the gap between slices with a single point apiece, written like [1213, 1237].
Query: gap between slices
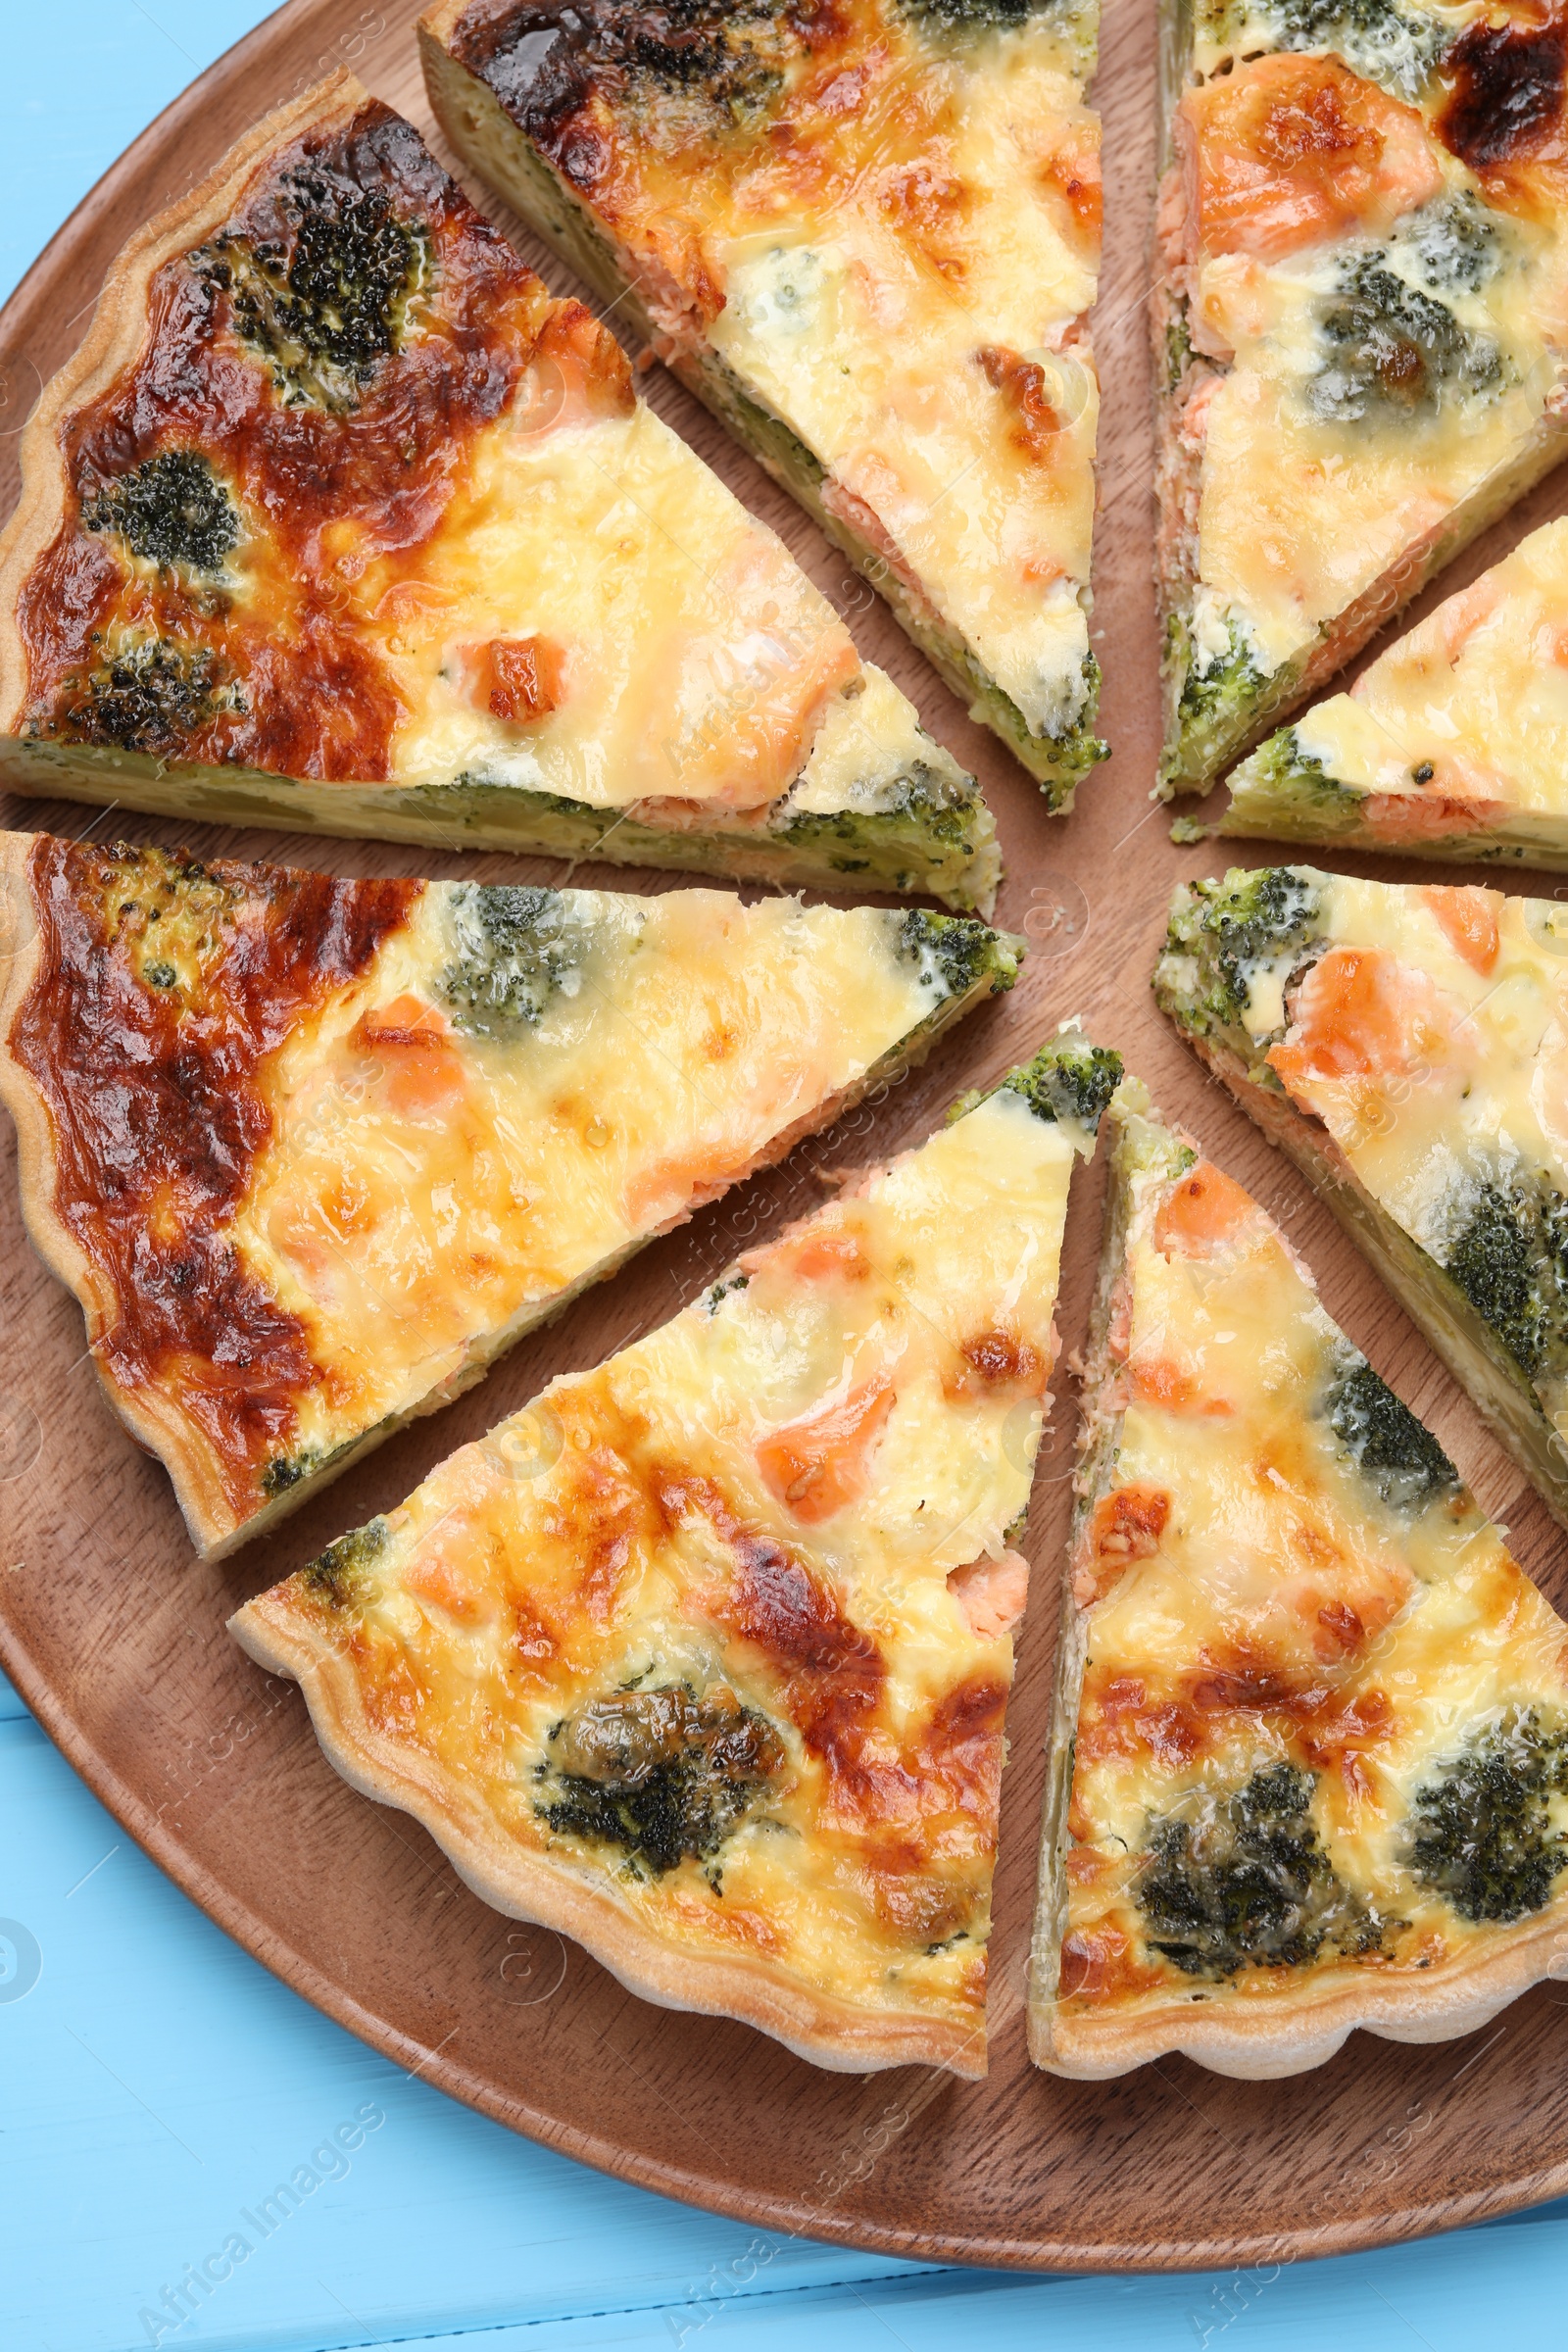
[311, 1153]
[868, 239]
[336, 521]
[702, 1659]
[1309, 1762]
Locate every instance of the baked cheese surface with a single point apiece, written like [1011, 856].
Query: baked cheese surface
[1321, 1740]
[1369, 312]
[324, 1147]
[884, 221]
[705, 1654]
[365, 507]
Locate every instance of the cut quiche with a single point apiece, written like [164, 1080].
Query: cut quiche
[702, 1659]
[337, 522]
[1408, 1047]
[1360, 331]
[1310, 1761]
[311, 1153]
[866, 236]
[1454, 744]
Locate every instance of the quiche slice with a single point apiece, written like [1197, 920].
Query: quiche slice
[337, 522]
[1408, 1047]
[1454, 744]
[866, 236]
[1309, 1768]
[312, 1151]
[702, 1657]
[1361, 331]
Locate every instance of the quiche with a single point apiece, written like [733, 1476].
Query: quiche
[312, 1151]
[1454, 744]
[1408, 1047]
[866, 236]
[702, 1657]
[336, 521]
[1361, 329]
[1310, 1767]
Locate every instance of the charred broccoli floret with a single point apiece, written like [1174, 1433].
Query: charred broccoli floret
[661, 1774]
[517, 947]
[1244, 1882]
[1068, 1080]
[1510, 1260]
[1384, 1439]
[955, 953]
[152, 694]
[1481, 1834]
[173, 510]
[1393, 351]
[338, 1575]
[1236, 927]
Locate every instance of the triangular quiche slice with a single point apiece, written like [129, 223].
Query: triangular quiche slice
[1408, 1047]
[312, 1151]
[867, 236]
[1361, 329]
[337, 522]
[1454, 744]
[1309, 1765]
[702, 1659]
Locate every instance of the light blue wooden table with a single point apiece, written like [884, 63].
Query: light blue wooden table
[154, 2083]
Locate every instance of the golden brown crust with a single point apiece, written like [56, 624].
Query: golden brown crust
[534, 1886]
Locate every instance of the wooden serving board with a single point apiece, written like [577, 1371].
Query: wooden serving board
[115, 1635]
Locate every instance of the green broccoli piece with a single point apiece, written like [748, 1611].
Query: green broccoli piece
[661, 1773]
[1244, 1882]
[1280, 770]
[1481, 1834]
[1212, 684]
[1510, 1260]
[173, 510]
[517, 947]
[1395, 351]
[1249, 920]
[955, 951]
[1387, 43]
[1388, 1444]
[339, 1575]
[1068, 1079]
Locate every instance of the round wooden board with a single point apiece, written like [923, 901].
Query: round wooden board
[116, 1637]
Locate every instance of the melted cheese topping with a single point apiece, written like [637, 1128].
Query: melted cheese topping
[896, 260]
[1472, 705]
[1254, 1601]
[1353, 414]
[800, 1492]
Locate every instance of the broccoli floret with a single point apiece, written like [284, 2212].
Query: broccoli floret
[338, 1575]
[1237, 927]
[1481, 1834]
[1375, 37]
[661, 1773]
[1282, 770]
[1068, 1081]
[724, 1287]
[1244, 1882]
[323, 315]
[1388, 1445]
[518, 948]
[955, 953]
[1211, 683]
[1454, 243]
[1510, 1260]
[1393, 351]
[174, 509]
[152, 694]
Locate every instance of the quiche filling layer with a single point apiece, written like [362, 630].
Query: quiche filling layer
[325, 1147]
[1312, 1746]
[1411, 1044]
[869, 236]
[1360, 334]
[705, 1654]
[367, 509]
[1454, 742]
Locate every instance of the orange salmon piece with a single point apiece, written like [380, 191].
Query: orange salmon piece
[1468, 919]
[823, 1464]
[1201, 1213]
[992, 1594]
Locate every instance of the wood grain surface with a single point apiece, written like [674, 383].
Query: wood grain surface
[115, 1635]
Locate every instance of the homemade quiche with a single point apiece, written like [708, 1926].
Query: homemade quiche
[1454, 744]
[312, 1151]
[337, 522]
[1408, 1047]
[1310, 1761]
[1360, 331]
[866, 235]
[702, 1659]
